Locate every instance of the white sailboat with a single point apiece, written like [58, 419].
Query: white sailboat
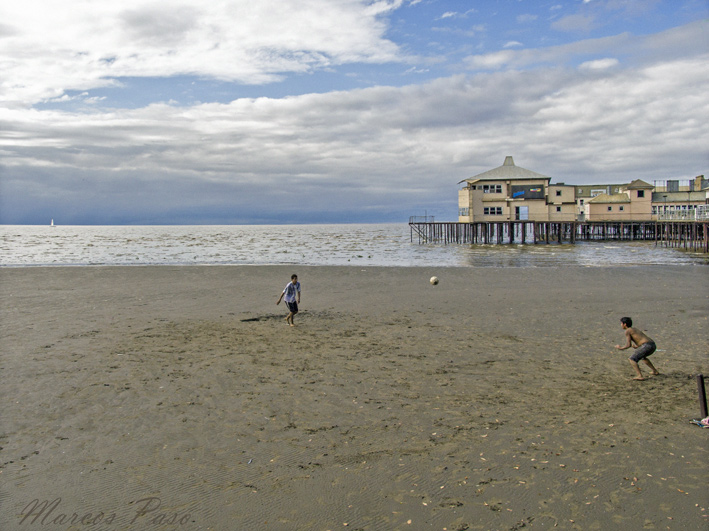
[52, 223]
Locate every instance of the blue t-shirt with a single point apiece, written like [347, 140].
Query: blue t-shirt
[291, 290]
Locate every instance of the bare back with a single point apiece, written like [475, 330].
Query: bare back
[637, 336]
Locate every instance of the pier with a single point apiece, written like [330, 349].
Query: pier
[687, 235]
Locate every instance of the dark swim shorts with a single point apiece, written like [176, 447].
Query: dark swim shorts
[643, 351]
[293, 307]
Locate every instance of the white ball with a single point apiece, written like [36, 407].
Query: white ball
[434, 280]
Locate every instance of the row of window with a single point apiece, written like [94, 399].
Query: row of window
[492, 211]
[672, 208]
[489, 188]
[497, 189]
[497, 211]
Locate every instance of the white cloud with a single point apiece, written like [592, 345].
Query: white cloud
[456, 14]
[409, 144]
[575, 23]
[599, 64]
[608, 109]
[51, 47]
[670, 44]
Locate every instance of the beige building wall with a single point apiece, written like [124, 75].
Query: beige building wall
[492, 200]
[465, 213]
[609, 208]
[561, 202]
[640, 204]
[537, 209]
[561, 193]
[607, 211]
[564, 212]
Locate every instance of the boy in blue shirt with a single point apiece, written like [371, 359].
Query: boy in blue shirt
[291, 292]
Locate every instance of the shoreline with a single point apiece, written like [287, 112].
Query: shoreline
[491, 400]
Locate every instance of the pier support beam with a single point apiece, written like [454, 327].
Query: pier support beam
[689, 235]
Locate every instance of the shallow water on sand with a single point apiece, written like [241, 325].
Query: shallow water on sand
[342, 244]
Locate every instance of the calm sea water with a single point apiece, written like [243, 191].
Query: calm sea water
[357, 245]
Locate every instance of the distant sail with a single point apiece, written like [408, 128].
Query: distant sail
[52, 223]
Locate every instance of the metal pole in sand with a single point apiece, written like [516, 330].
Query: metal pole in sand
[702, 395]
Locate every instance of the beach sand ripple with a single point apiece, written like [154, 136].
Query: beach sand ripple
[494, 400]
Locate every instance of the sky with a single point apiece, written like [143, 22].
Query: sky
[336, 111]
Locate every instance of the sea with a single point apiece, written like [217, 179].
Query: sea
[387, 245]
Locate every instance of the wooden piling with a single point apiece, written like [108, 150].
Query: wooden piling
[688, 235]
[702, 396]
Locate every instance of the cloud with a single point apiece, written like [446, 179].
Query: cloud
[380, 150]
[456, 14]
[596, 110]
[575, 23]
[50, 48]
[667, 45]
[526, 18]
[599, 64]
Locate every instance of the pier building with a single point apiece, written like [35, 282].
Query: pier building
[512, 193]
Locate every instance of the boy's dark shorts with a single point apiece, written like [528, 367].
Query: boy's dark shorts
[643, 351]
[292, 306]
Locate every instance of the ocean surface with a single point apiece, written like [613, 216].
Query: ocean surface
[345, 244]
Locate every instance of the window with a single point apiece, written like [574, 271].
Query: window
[558, 209]
[492, 211]
[610, 209]
[580, 201]
[463, 211]
[641, 193]
[558, 193]
[621, 208]
[492, 188]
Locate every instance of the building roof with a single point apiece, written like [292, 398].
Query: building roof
[508, 171]
[587, 190]
[678, 197]
[610, 198]
[638, 184]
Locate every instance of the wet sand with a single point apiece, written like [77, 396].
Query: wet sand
[494, 400]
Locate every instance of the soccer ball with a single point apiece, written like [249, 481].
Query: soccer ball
[434, 281]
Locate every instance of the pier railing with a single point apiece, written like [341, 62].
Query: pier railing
[422, 219]
[687, 234]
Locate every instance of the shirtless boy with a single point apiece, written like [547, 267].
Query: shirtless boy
[644, 347]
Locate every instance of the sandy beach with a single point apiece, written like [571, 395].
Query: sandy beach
[178, 398]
